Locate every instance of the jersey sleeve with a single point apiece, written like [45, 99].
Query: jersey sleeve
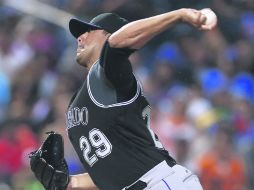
[118, 70]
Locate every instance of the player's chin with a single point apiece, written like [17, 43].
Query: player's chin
[81, 61]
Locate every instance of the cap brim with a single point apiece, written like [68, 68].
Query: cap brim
[78, 27]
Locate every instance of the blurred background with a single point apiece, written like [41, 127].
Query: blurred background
[200, 85]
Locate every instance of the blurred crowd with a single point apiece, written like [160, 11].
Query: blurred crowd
[200, 86]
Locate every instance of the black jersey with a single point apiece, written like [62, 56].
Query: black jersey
[112, 135]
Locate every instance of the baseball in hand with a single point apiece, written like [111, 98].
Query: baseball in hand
[211, 18]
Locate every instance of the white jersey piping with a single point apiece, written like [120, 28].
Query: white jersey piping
[111, 105]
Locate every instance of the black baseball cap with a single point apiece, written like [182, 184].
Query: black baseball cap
[109, 22]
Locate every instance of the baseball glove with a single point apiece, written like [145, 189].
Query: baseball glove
[48, 163]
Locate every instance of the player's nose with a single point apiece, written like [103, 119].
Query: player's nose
[79, 40]
[82, 38]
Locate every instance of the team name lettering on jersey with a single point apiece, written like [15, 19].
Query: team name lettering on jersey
[77, 116]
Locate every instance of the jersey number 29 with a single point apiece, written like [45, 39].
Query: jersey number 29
[99, 141]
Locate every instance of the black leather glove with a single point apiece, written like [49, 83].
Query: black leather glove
[48, 163]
